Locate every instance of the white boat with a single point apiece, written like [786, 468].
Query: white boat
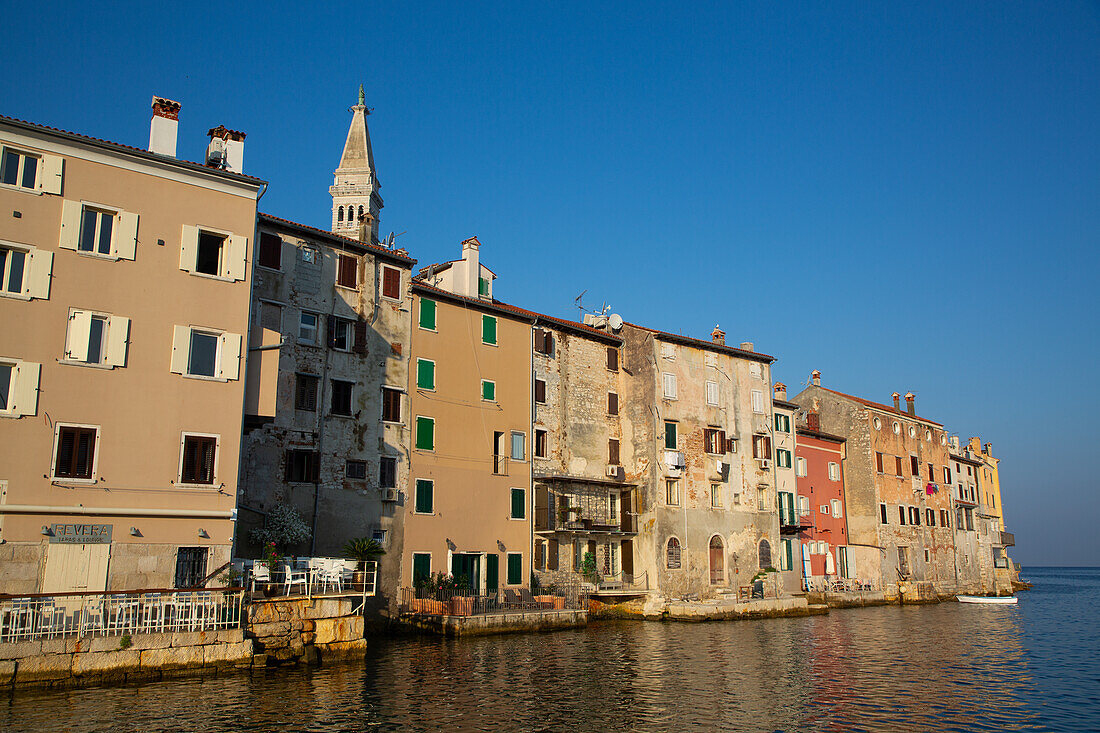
[1003, 600]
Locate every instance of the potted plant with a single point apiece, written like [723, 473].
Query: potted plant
[461, 603]
[362, 550]
[588, 567]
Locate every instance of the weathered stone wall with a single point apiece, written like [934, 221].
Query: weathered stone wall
[345, 507]
[92, 660]
[305, 629]
[497, 623]
[21, 566]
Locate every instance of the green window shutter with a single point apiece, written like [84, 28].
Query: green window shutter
[492, 572]
[488, 390]
[670, 436]
[790, 554]
[482, 286]
[519, 504]
[515, 568]
[425, 374]
[488, 330]
[425, 433]
[424, 498]
[427, 314]
[422, 566]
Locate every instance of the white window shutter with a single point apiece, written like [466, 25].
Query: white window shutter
[126, 236]
[189, 248]
[234, 257]
[79, 333]
[230, 356]
[118, 336]
[49, 180]
[181, 344]
[36, 283]
[25, 400]
[70, 223]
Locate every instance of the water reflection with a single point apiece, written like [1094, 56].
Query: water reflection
[948, 667]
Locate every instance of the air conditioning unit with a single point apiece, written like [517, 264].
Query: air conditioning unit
[720, 467]
[613, 471]
[389, 494]
[765, 463]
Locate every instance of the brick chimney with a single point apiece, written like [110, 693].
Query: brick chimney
[815, 377]
[366, 227]
[909, 406]
[746, 346]
[163, 126]
[897, 401]
[718, 336]
[233, 159]
[780, 391]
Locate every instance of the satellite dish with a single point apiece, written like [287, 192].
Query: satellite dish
[615, 321]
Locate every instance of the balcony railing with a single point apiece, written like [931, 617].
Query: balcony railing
[575, 520]
[1008, 539]
[500, 465]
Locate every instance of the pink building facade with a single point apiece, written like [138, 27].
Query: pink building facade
[819, 472]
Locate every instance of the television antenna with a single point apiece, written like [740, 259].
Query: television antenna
[578, 303]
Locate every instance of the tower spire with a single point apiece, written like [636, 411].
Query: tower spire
[362, 97]
[355, 184]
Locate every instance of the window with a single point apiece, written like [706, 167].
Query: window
[612, 358]
[341, 398]
[341, 333]
[969, 520]
[425, 433]
[761, 446]
[897, 428]
[271, 251]
[305, 392]
[216, 254]
[540, 391]
[191, 566]
[716, 495]
[799, 466]
[425, 496]
[783, 423]
[901, 515]
[672, 554]
[765, 555]
[540, 443]
[912, 432]
[612, 403]
[391, 404]
[519, 448]
[668, 351]
[947, 474]
[835, 503]
[877, 423]
[208, 258]
[489, 390]
[834, 471]
[75, 455]
[307, 328]
[483, 287]
[303, 466]
[672, 492]
[930, 517]
[914, 516]
[387, 472]
[945, 518]
[668, 386]
[380, 536]
[782, 458]
[347, 271]
[898, 463]
[882, 514]
[712, 393]
[96, 228]
[544, 342]
[198, 459]
[355, 469]
[425, 374]
[803, 506]
[613, 451]
[824, 510]
[96, 339]
[391, 283]
[515, 568]
[427, 314]
[422, 566]
[714, 441]
[12, 265]
[931, 472]
[489, 330]
[670, 435]
[758, 401]
[519, 504]
[19, 169]
[878, 462]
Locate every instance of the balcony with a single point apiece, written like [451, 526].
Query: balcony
[1008, 539]
[793, 524]
[500, 465]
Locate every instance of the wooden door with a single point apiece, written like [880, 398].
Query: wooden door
[717, 571]
[76, 568]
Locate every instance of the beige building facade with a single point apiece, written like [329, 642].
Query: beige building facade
[125, 297]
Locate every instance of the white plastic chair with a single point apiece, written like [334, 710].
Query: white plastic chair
[260, 574]
[294, 578]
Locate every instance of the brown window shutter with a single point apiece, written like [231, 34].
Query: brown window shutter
[315, 457]
[613, 452]
[612, 358]
[360, 337]
[540, 391]
[721, 441]
[756, 441]
[612, 403]
[391, 282]
[729, 445]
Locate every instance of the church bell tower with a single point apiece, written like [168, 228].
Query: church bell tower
[355, 184]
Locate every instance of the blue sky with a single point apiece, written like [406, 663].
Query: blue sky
[906, 198]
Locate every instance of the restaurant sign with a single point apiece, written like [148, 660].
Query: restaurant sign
[81, 534]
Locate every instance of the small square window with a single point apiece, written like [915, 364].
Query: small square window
[612, 403]
[380, 536]
[540, 391]
[271, 251]
[387, 472]
[307, 328]
[540, 443]
[672, 492]
[198, 460]
[305, 392]
[341, 334]
[355, 469]
[488, 390]
[303, 466]
[341, 398]
[612, 358]
[208, 259]
[483, 286]
[75, 452]
[519, 447]
[391, 404]
[202, 358]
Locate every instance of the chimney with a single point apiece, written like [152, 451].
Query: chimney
[746, 346]
[815, 377]
[468, 286]
[233, 158]
[909, 406]
[366, 228]
[718, 336]
[163, 126]
[897, 401]
[780, 391]
[989, 449]
[813, 421]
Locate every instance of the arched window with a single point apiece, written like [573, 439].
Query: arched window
[673, 554]
[360, 211]
[765, 555]
[340, 214]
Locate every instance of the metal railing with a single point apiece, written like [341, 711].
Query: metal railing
[838, 585]
[44, 616]
[310, 577]
[500, 465]
[575, 519]
[448, 602]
